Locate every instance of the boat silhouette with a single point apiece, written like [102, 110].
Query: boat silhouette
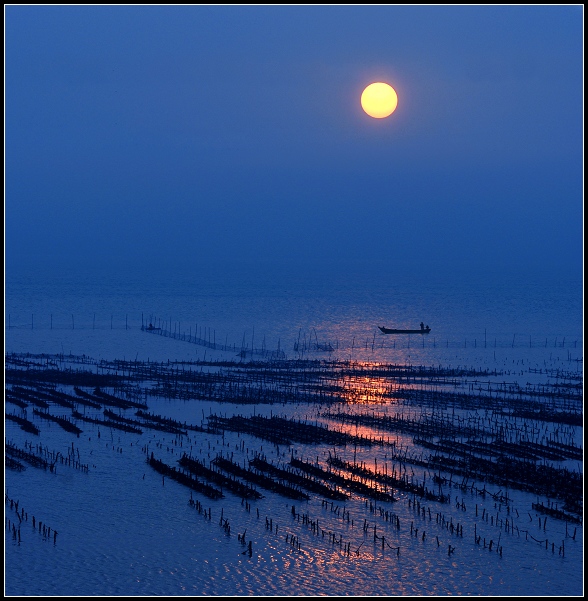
[423, 330]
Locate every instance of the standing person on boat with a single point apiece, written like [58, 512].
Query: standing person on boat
[422, 326]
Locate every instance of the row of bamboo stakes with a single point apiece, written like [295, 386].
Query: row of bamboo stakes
[425, 426]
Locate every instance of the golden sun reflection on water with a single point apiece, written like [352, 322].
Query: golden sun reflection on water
[365, 389]
[375, 392]
[366, 382]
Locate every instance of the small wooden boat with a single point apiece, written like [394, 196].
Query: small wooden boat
[423, 330]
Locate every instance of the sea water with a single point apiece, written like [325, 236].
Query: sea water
[123, 530]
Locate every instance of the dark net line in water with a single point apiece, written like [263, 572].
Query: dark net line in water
[491, 433]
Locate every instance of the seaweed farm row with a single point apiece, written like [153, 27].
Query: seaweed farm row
[463, 422]
[354, 464]
[304, 381]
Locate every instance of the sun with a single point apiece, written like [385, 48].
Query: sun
[379, 100]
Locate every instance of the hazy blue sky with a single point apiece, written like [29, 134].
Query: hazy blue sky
[162, 136]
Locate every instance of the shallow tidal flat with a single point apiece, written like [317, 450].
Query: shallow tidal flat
[290, 476]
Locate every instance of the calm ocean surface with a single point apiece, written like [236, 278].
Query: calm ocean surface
[122, 531]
